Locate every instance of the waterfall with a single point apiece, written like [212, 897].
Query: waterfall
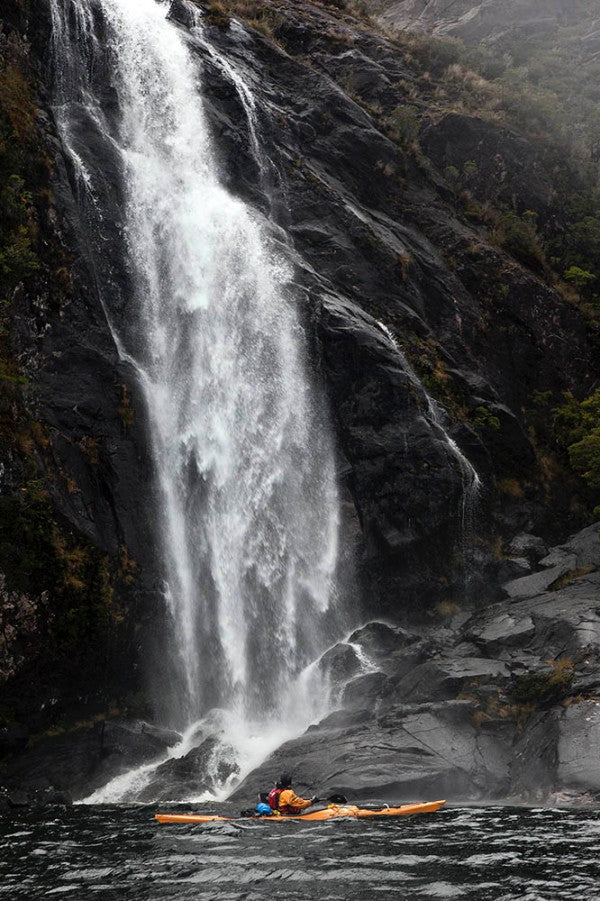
[471, 482]
[248, 515]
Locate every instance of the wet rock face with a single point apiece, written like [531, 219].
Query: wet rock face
[202, 770]
[405, 480]
[340, 664]
[456, 138]
[19, 630]
[73, 452]
[505, 703]
[81, 760]
[378, 640]
[411, 752]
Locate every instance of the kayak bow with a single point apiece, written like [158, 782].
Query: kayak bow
[334, 811]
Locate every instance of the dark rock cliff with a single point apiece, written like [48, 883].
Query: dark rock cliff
[76, 557]
[381, 236]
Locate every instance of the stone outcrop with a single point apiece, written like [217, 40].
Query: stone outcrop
[203, 770]
[499, 703]
[80, 760]
[486, 20]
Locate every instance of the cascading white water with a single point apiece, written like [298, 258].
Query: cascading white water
[471, 482]
[436, 415]
[248, 518]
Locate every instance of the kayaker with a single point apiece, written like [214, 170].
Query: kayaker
[287, 802]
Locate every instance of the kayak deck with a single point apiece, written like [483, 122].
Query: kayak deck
[334, 811]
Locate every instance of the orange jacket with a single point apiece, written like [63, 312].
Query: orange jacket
[290, 803]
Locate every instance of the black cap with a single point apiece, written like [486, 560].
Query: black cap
[285, 780]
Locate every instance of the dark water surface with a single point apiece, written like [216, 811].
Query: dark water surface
[122, 853]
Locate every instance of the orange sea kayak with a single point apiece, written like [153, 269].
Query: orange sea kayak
[330, 813]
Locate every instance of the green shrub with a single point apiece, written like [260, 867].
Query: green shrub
[577, 429]
[533, 110]
[216, 15]
[483, 419]
[452, 175]
[17, 257]
[584, 457]
[518, 234]
[431, 53]
[404, 124]
[579, 277]
[545, 688]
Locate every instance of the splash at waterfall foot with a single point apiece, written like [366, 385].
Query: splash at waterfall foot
[205, 763]
[133, 761]
[215, 753]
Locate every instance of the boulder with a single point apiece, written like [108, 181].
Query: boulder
[340, 664]
[408, 753]
[586, 547]
[504, 630]
[135, 741]
[578, 757]
[558, 752]
[537, 583]
[446, 678]
[566, 620]
[363, 691]
[513, 568]
[380, 639]
[557, 557]
[201, 770]
[526, 545]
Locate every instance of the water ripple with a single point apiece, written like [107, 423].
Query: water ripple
[483, 854]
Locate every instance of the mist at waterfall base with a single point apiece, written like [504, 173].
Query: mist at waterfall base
[248, 512]
[115, 854]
